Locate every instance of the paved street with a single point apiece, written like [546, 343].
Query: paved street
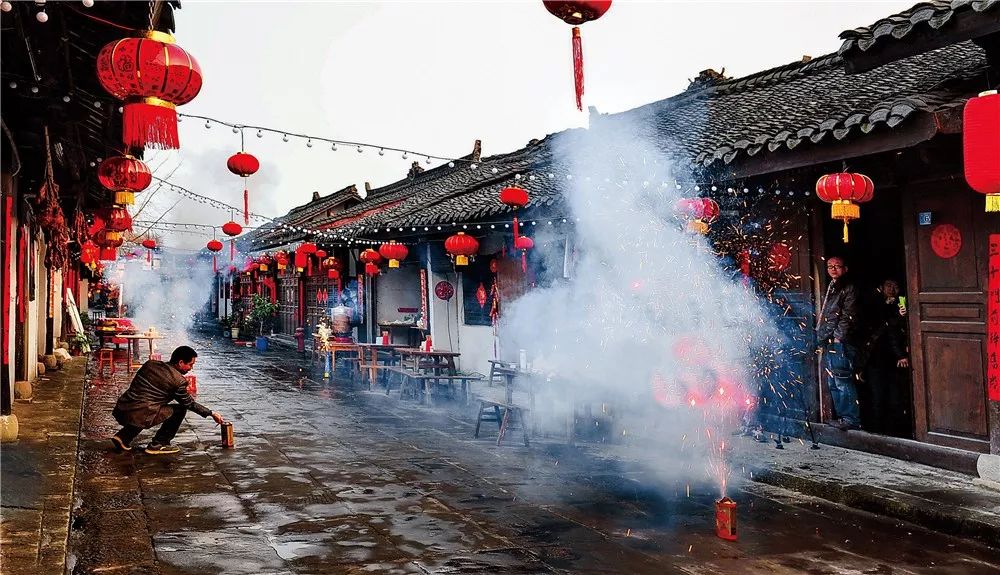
[334, 479]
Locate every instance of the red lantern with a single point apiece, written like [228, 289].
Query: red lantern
[89, 253]
[117, 219]
[843, 190]
[281, 258]
[333, 274]
[461, 247]
[109, 254]
[371, 269]
[232, 229]
[981, 146]
[244, 165]
[149, 244]
[574, 13]
[393, 252]
[332, 263]
[515, 198]
[125, 176]
[370, 256]
[214, 246]
[153, 75]
[524, 243]
[481, 295]
[320, 254]
[108, 239]
[308, 248]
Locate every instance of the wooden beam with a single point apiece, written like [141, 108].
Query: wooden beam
[919, 128]
[965, 25]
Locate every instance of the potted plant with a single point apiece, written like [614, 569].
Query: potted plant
[226, 323]
[262, 310]
[79, 343]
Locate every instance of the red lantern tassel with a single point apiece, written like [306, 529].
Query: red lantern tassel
[149, 255]
[309, 266]
[515, 228]
[524, 261]
[246, 207]
[150, 122]
[232, 250]
[215, 266]
[578, 66]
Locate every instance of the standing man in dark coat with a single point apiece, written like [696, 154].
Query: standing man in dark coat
[888, 364]
[837, 333]
[147, 403]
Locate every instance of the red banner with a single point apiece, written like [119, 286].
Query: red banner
[422, 324]
[993, 321]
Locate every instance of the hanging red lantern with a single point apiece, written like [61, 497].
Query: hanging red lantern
[320, 254]
[232, 229]
[700, 212]
[244, 165]
[301, 260]
[108, 239]
[117, 219]
[394, 252]
[575, 13]
[523, 244]
[514, 197]
[843, 190]
[89, 253]
[308, 248]
[149, 244]
[125, 176]
[370, 256]
[981, 146]
[461, 247]
[481, 295]
[333, 274]
[332, 263]
[153, 75]
[372, 269]
[214, 246]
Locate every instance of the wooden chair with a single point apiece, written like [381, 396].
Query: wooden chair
[105, 355]
[505, 414]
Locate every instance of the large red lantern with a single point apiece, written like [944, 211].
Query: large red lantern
[842, 191]
[394, 252]
[232, 229]
[125, 176]
[308, 248]
[700, 212]
[108, 239]
[514, 197]
[461, 247]
[981, 146]
[574, 13]
[153, 75]
[301, 260]
[244, 165]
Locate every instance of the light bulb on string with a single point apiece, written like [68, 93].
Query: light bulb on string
[360, 150]
[309, 143]
[381, 151]
[284, 138]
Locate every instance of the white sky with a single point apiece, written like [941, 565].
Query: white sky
[434, 77]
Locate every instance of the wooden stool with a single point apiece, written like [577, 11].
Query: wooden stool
[105, 354]
[490, 410]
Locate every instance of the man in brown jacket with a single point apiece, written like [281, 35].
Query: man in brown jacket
[147, 403]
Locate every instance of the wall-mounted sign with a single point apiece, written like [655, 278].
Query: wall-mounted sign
[924, 218]
[946, 241]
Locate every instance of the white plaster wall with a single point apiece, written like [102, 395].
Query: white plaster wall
[444, 313]
[397, 288]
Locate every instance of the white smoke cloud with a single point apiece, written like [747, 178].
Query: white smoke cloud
[650, 325]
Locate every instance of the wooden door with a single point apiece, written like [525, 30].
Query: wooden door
[288, 301]
[946, 271]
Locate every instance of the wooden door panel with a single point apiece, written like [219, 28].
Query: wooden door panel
[947, 316]
[959, 407]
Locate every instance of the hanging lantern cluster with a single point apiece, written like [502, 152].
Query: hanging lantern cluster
[153, 75]
[394, 252]
[700, 213]
[981, 146]
[845, 191]
[124, 176]
[89, 253]
[575, 13]
[461, 248]
[244, 165]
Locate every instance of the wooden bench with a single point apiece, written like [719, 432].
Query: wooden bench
[425, 380]
[504, 414]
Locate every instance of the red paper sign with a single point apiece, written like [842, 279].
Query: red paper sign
[946, 241]
[993, 320]
[444, 290]
[423, 299]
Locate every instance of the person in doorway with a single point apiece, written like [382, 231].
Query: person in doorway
[147, 403]
[837, 334]
[887, 363]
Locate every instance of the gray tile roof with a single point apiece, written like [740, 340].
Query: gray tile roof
[934, 14]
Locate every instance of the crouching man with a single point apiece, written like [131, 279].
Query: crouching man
[147, 403]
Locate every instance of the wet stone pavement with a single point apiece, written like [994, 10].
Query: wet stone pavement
[331, 478]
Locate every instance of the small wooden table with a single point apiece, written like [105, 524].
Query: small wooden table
[133, 351]
[439, 361]
[371, 362]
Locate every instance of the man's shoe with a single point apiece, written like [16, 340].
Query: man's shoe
[119, 444]
[154, 449]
